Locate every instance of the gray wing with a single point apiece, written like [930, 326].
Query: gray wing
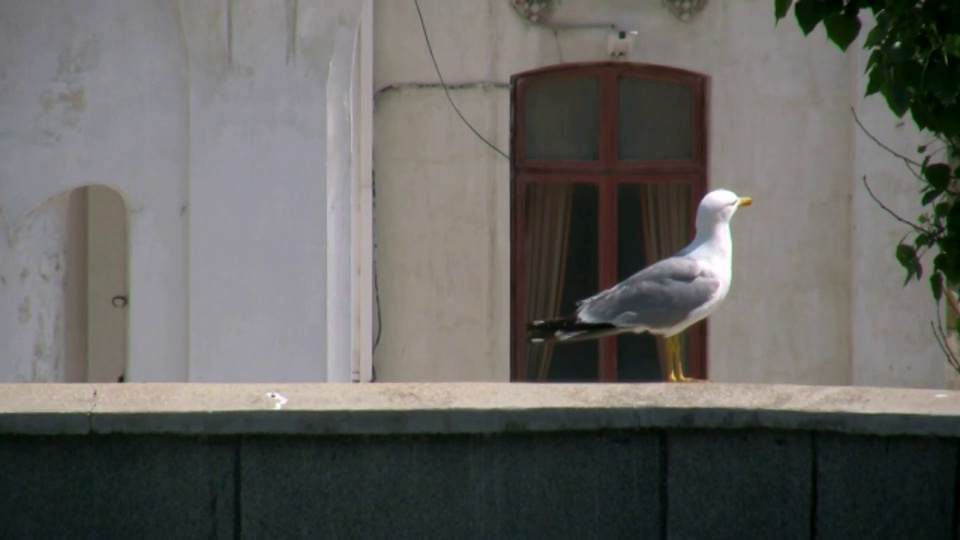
[659, 296]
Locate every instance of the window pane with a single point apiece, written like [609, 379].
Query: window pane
[653, 222]
[562, 119]
[560, 253]
[655, 119]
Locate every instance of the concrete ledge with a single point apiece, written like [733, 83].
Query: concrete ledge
[477, 461]
[466, 408]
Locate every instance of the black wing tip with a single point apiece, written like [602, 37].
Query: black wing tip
[562, 329]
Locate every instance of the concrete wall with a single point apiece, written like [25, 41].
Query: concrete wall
[477, 461]
[211, 119]
[812, 255]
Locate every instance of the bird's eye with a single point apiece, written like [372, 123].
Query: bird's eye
[732, 203]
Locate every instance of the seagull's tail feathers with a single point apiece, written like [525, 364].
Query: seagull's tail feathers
[568, 330]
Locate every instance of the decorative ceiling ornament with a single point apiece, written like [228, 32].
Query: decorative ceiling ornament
[684, 9]
[533, 10]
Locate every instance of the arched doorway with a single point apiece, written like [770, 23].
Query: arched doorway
[96, 285]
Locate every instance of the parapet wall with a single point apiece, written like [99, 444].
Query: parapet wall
[477, 461]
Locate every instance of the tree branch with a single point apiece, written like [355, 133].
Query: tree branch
[944, 342]
[905, 159]
[952, 300]
[941, 340]
[914, 226]
[940, 335]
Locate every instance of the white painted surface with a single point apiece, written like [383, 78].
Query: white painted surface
[362, 271]
[32, 320]
[341, 179]
[808, 253]
[210, 118]
[258, 130]
[92, 92]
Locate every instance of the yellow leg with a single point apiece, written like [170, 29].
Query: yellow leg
[671, 344]
[675, 362]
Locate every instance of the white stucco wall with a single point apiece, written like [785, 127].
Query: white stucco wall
[892, 342]
[780, 131]
[211, 118]
[80, 104]
[257, 190]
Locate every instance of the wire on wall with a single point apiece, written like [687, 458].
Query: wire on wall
[376, 284]
[446, 90]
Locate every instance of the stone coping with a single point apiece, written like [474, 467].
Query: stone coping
[463, 408]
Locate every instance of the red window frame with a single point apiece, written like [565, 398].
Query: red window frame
[607, 172]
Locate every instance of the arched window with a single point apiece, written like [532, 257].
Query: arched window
[608, 165]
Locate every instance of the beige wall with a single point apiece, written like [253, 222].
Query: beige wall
[443, 226]
[780, 131]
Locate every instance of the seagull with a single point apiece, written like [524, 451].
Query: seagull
[666, 297]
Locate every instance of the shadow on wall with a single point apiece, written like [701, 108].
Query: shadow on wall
[95, 344]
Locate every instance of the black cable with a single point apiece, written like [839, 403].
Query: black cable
[376, 285]
[446, 91]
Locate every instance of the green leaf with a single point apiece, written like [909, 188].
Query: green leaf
[876, 35]
[906, 255]
[941, 80]
[953, 220]
[940, 262]
[809, 13]
[951, 270]
[929, 197]
[898, 98]
[936, 286]
[899, 52]
[781, 7]
[842, 28]
[951, 119]
[938, 175]
[921, 118]
[951, 44]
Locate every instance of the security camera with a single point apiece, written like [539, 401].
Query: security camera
[620, 44]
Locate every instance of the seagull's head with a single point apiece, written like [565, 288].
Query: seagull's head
[718, 206]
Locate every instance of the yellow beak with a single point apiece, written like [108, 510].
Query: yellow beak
[746, 201]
